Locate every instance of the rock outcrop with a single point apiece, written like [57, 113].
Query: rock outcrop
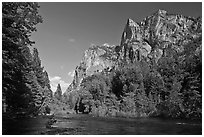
[150, 40]
[95, 60]
[155, 34]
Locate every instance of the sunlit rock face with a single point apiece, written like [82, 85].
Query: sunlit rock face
[95, 60]
[150, 40]
[152, 37]
[132, 32]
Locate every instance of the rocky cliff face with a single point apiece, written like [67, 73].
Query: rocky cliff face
[95, 60]
[155, 34]
[150, 40]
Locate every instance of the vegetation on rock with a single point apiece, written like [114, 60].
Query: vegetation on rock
[156, 71]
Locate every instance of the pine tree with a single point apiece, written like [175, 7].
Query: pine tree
[18, 22]
[47, 88]
[38, 69]
[58, 92]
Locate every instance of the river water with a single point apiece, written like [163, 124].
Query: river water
[89, 125]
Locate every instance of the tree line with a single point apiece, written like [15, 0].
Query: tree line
[25, 84]
[170, 87]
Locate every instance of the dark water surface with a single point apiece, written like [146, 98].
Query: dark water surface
[89, 125]
[24, 126]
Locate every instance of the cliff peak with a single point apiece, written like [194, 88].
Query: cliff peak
[130, 22]
[129, 32]
[161, 12]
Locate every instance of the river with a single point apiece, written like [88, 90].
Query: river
[89, 125]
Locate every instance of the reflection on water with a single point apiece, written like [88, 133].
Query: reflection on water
[87, 124]
[84, 124]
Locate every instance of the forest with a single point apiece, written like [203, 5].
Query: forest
[170, 87]
[26, 87]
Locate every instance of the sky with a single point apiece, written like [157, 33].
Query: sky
[68, 29]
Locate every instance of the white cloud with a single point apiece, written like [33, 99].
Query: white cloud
[71, 73]
[71, 40]
[54, 81]
[56, 78]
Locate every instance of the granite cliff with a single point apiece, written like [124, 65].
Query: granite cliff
[150, 40]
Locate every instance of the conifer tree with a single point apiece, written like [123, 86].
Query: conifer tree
[18, 22]
[47, 88]
[38, 69]
[58, 92]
